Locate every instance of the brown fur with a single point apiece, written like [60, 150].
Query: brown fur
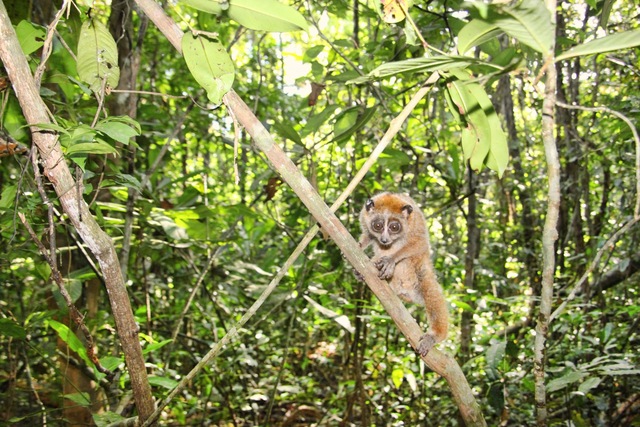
[403, 257]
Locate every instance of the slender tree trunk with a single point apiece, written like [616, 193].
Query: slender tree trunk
[98, 242]
[550, 233]
[473, 242]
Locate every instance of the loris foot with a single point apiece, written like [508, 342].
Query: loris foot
[427, 341]
[359, 277]
[386, 266]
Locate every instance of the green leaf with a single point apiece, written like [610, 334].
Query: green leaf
[210, 65]
[495, 354]
[475, 33]
[266, 15]
[211, 6]
[609, 43]
[107, 418]
[117, 131]
[9, 328]
[97, 56]
[155, 346]
[31, 37]
[165, 382]
[8, 197]
[588, 384]
[314, 122]
[529, 22]
[483, 140]
[80, 398]
[397, 375]
[287, 131]
[261, 15]
[565, 380]
[96, 147]
[414, 65]
[70, 339]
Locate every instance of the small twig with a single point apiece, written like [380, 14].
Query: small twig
[73, 311]
[636, 137]
[48, 42]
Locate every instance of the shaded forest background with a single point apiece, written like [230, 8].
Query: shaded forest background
[201, 223]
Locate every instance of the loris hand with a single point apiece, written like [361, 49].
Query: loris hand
[386, 266]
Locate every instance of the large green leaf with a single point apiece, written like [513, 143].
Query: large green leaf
[483, 141]
[530, 23]
[262, 15]
[210, 65]
[211, 6]
[609, 43]
[96, 147]
[30, 36]
[413, 65]
[71, 340]
[97, 56]
[475, 33]
[266, 15]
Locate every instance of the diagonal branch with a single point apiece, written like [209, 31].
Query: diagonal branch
[442, 364]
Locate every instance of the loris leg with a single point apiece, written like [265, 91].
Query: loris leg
[437, 316]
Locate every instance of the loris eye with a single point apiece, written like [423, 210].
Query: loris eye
[395, 227]
[377, 225]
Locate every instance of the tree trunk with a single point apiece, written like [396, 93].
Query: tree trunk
[98, 242]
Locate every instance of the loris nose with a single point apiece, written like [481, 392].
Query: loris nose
[384, 240]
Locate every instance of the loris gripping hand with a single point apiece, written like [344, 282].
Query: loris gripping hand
[386, 266]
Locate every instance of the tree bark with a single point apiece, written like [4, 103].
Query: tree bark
[98, 242]
[550, 231]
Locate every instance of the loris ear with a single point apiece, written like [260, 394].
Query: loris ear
[407, 209]
[369, 205]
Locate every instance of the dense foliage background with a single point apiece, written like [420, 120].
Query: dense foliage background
[212, 223]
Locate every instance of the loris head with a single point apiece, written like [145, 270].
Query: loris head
[387, 217]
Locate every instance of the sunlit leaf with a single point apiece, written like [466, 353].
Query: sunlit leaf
[609, 43]
[475, 33]
[261, 15]
[117, 131]
[397, 375]
[529, 22]
[394, 10]
[266, 15]
[30, 36]
[70, 339]
[210, 65]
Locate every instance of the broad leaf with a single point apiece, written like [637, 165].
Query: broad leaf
[210, 65]
[530, 23]
[30, 36]
[96, 147]
[475, 33]
[97, 56]
[483, 141]
[117, 131]
[71, 340]
[266, 15]
[9, 328]
[261, 15]
[609, 43]
[210, 6]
